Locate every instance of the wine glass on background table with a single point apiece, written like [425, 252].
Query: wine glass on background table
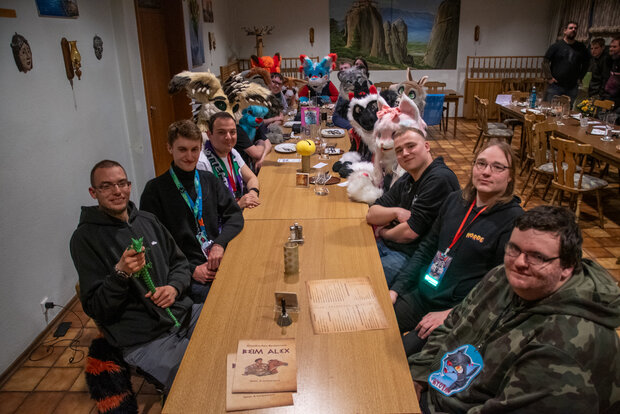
[610, 122]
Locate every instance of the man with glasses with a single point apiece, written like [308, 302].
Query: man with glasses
[130, 317]
[536, 335]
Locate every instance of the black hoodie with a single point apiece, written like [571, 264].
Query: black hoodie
[118, 305]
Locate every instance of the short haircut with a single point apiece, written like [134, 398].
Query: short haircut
[615, 39]
[598, 41]
[219, 115]
[469, 191]
[402, 130]
[185, 128]
[103, 164]
[571, 22]
[277, 75]
[365, 67]
[560, 221]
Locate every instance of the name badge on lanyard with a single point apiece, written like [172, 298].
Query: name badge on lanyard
[438, 267]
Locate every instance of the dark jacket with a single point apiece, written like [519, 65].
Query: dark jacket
[559, 354]
[480, 248]
[118, 305]
[423, 198]
[599, 67]
[221, 214]
[567, 63]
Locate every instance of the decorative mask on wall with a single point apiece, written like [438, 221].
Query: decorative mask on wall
[21, 53]
[98, 46]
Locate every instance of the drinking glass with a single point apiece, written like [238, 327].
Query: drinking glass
[319, 183]
[610, 121]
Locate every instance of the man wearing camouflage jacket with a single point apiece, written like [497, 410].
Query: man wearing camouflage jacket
[537, 335]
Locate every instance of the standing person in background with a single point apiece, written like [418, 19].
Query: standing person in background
[612, 86]
[599, 67]
[565, 64]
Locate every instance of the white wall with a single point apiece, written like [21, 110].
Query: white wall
[48, 147]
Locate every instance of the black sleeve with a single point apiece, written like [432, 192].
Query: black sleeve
[149, 201]
[243, 140]
[585, 61]
[408, 277]
[393, 197]
[103, 294]
[551, 52]
[261, 133]
[179, 273]
[229, 212]
[429, 200]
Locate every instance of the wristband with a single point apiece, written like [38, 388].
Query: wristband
[121, 273]
[255, 190]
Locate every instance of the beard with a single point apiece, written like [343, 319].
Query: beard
[571, 35]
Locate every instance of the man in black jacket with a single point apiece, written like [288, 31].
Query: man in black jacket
[195, 206]
[130, 317]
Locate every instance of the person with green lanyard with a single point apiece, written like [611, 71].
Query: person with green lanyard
[466, 241]
[220, 158]
[195, 206]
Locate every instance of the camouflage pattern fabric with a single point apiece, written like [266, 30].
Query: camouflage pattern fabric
[560, 354]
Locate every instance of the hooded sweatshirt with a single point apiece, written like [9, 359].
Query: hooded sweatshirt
[559, 354]
[479, 249]
[118, 305]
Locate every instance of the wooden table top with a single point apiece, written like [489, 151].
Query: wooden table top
[337, 373]
[282, 199]
[605, 151]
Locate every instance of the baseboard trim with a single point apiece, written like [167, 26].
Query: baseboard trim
[51, 327]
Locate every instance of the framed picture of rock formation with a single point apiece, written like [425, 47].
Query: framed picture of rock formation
[396, 34]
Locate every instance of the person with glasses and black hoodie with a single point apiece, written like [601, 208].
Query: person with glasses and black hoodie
[466, 241]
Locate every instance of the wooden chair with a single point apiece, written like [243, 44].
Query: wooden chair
[571, 180]
[227, 70]
[383, 85]
[605, 105]
[540, 83]
[438, 87]
[518, 95]
[511, 84]
[537, 141]
[488, 129]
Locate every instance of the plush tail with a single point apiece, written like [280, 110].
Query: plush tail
[361, 185]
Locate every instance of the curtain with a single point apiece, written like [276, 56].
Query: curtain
[605, 18]
[577, 11]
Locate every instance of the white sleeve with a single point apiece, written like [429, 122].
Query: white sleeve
[203, 163]
[237, 157]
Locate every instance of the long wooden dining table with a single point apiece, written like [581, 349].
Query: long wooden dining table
[355, 372]
[571, 129]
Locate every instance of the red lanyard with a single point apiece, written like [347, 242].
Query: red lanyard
[461, 230]
[231, 176]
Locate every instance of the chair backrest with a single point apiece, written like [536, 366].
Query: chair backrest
[518, 95]
[511, 84]
[383, 85]
[604, 105]
[434, 86]
[538, 139]
[529, 83]
[564, 155]
[227, 70]
[483, 115]
[564, 100]
[433, 109]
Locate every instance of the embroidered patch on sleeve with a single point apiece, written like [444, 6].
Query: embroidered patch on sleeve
[458, 369]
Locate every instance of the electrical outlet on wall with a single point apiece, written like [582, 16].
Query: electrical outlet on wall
[43, 301]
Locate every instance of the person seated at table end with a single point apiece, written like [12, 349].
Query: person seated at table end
[466, 241]
[537, 335]
[220, 158]
[195, 206]
[407, 210]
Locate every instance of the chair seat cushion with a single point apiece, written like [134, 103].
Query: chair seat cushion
[548, 167]
[497, 125]
[512, 122]
[589, 182]
[500, 133]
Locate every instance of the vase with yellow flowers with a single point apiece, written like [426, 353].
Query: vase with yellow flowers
[586, 108]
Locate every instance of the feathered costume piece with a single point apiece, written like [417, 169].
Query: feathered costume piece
[272, 64]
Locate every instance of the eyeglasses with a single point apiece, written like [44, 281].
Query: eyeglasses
[531, 258]
[496, 167]
[276, 83]
[106, 187]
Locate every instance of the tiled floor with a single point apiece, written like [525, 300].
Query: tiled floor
[53, 384]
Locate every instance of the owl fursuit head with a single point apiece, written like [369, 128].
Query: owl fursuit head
[242, 93]
[206, 93]
[390, 120]
[412, 89]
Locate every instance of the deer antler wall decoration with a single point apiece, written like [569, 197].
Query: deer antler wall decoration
[259, 33]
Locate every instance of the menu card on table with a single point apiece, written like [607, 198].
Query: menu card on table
[265, 366]
[344, 305]
[251, 401]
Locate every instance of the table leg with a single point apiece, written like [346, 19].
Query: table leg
[456, 114]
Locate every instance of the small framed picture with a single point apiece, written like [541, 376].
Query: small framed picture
[302, 179]
[310, 115]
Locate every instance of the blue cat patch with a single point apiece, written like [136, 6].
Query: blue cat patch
[458, 369]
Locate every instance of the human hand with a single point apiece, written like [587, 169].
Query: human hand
[430, 321]
[202, 274]
[393, 296]
[552, 81]
[250, 200]
[378, 230]
[131, 261]
[258, 164]
[164, 296]
[402, 215]
[215, 257]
